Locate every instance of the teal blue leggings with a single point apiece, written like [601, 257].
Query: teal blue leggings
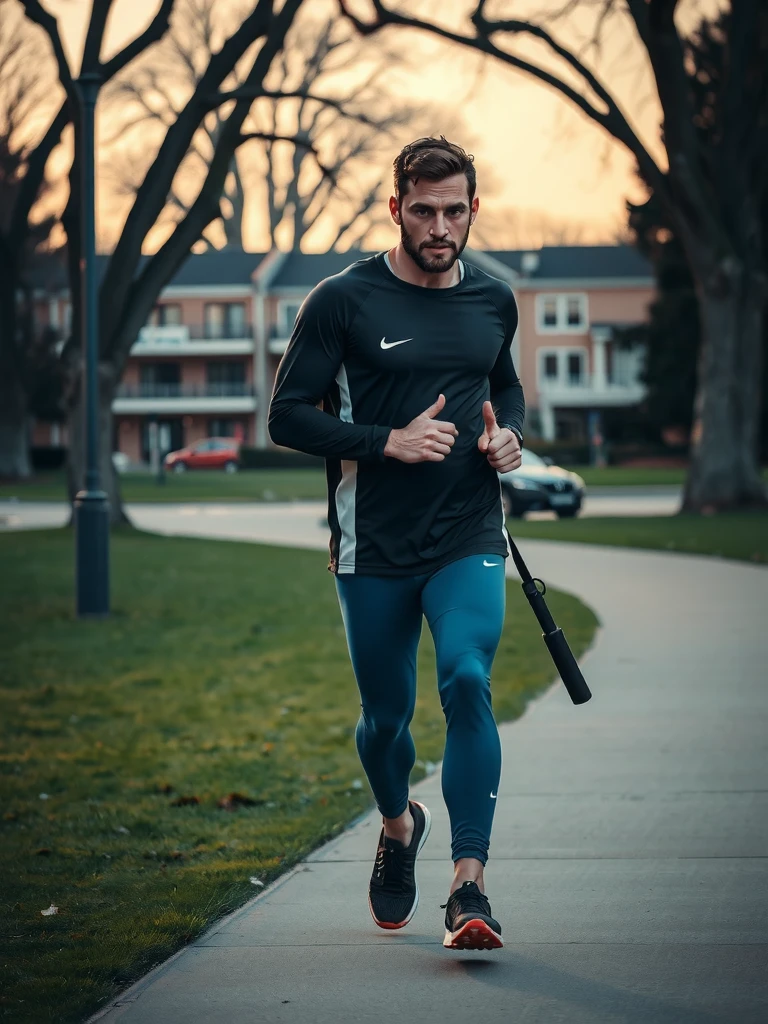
[464, 606]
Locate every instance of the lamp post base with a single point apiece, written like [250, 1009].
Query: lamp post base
[92, 554]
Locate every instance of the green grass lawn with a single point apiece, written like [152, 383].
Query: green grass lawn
[282, 484]
[222, 669]
[198, 485]
[742, 535]
[629, 476]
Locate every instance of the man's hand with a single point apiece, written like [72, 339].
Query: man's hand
[425, 439]
[500, 443]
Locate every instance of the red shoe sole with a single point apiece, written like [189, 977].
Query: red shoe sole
[474, 934]
[391, 925]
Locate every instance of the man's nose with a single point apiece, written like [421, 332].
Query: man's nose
[439, 228]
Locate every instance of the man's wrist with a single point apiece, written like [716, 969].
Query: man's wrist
[390, 445]
[518, 433]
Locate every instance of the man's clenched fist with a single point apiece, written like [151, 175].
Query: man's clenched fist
[425, 439]
[499, 443]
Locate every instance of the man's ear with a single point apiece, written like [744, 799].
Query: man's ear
[394, 210]
[473, 210]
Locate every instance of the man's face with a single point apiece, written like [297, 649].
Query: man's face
[434, 219]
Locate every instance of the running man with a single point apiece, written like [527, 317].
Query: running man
[409, 353]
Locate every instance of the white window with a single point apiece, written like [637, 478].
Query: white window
[165, 314]
[549, 310]
[562, 368]
[574, 311]
[575, 368]
[561, 314]
[225, 320]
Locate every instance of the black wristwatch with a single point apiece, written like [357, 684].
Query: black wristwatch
[514, 430]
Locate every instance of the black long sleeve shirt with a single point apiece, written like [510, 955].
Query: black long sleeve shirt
[376, 351]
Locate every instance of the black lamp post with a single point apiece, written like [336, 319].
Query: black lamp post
[91, 506]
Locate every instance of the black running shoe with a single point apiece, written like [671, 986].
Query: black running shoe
[393, 894]
[468, 921]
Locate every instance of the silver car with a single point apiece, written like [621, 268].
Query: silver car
[538, 486]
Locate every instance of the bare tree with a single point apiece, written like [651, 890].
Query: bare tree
[299, 197]
[519, 229]
[712, 195]
[131, 284]
[24, 85]
[24, 181]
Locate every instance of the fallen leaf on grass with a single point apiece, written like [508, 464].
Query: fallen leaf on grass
[44, 796]
[51, 910]
[255, 881]
[234, 800]
[125, 831]
[185, 801]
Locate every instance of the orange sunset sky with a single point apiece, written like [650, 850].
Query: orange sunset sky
[547, 158]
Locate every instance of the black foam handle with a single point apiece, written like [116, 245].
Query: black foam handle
[567, 666]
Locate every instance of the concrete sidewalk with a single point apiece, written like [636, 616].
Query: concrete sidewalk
[629, 857]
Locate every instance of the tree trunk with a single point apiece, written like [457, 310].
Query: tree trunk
[14, 419]
[14, 428]
[725, 467]
[108, 477]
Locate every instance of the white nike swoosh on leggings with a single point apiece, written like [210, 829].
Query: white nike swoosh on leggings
[494, 795]
[489, 564]
[392, 344]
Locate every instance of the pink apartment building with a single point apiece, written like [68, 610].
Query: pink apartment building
[205, 363]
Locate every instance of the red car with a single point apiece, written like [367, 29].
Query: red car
[211, 453]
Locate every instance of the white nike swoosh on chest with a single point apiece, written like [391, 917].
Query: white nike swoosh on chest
[391, 344]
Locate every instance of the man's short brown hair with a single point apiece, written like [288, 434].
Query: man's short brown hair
[433, 159]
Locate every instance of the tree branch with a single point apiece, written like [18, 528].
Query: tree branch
[151, 34]
[152, 193]
[30, 185]
[294, 140]
[37, 13]
[271, 94]
[38, 159]
[95, 36]
[612, 120]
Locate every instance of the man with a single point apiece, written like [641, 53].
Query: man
[409, 352]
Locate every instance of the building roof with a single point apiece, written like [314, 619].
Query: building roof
[303, 270]
[578, 261]
[224, 266]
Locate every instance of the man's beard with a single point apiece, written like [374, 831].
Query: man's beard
[435, 264]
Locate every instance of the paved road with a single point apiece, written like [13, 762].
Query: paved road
[238, 520]
[629, 858]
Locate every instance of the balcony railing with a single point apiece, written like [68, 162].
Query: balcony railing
[218, 332]
[180, 334]
[591, 382]
[230, 390]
